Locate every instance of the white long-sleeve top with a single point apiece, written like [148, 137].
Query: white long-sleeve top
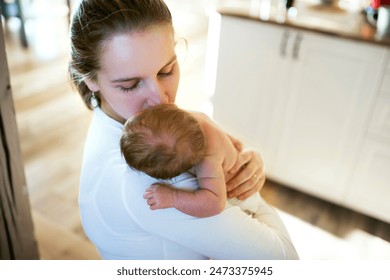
[117, 219]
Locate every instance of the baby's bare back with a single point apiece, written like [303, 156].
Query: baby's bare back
[220, 146]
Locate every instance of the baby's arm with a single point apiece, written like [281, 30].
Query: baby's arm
[207, 201]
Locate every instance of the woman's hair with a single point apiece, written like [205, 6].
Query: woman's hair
[96, 21]
[163, 141]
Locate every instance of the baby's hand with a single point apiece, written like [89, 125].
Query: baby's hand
[159, 196]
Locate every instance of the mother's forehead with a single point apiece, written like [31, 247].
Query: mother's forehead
[147, 50]
[153, 32]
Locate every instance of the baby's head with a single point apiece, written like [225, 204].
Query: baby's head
[163, 141]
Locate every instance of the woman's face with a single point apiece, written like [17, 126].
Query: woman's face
[138, 70]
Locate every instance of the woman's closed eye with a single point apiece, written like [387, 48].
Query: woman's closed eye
[167, 71]
[128, 85]
[132, 87]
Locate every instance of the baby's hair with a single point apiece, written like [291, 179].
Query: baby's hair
[163, 141]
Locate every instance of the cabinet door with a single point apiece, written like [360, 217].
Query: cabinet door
[249, 73]
[370, 185]
[332, 88]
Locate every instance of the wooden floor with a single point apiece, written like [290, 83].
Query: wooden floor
[52, 123]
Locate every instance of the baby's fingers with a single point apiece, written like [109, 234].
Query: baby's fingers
[152, 187]
[151, 201]
[148, 194]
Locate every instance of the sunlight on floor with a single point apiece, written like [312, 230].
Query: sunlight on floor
[313, 243]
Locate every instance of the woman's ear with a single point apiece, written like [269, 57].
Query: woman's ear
[93, 86]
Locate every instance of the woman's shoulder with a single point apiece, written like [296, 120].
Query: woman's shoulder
[103, 132]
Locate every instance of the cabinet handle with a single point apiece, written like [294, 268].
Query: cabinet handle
[297, 44]
[283, 43]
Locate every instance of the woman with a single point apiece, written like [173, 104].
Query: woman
[122, 61]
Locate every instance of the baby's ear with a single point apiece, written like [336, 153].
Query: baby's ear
[92, 85]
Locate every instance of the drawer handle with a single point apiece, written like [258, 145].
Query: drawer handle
[283, 44]
[297, 44]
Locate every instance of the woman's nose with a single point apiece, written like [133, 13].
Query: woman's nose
[158, 95]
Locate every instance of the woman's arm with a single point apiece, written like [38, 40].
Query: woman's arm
[231, 234]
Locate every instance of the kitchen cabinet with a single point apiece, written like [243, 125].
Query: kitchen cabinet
[370, 181]
[332, 88]
[304, 100]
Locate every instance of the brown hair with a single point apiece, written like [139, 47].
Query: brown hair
[95, 21]
[163, 141]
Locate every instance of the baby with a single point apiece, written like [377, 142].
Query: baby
[165, 141]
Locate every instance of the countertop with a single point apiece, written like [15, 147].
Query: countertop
[342, 18]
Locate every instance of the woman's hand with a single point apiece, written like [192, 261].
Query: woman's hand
[247, 175]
